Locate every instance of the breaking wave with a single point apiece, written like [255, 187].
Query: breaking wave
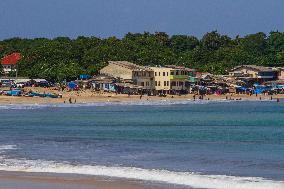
[190, 179]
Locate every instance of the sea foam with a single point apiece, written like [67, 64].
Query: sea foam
[7, 147]
[114, 103]
[194, 180]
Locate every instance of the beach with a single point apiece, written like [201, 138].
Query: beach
[89, 96]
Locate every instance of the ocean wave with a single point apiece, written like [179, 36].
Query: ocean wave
[7, 147]
[162, 176]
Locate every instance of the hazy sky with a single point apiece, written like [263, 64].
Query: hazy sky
[103, 18]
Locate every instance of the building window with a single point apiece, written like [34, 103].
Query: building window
[142, 84]
[156, 83]
[159, 84]
[177, 73]
[164, 74]
[155, 73]
[168, 83]
[172, 73]
[167, 73]
[159, 74]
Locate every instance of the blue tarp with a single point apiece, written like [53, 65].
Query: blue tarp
[243, 88]
[14, 92]
[72, 85]
[84, 76]
[32, 94]
[260, 89]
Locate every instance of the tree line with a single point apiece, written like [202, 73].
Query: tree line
[63, 58]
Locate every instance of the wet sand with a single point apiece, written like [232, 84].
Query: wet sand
[18, 180]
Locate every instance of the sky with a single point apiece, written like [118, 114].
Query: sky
[104, 18]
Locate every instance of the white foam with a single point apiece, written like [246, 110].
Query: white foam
[7, 147]
[129, 103]
[178, 178]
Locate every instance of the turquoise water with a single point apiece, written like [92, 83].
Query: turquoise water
[240, 139]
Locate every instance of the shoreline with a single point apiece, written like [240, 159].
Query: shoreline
[21, 180]
[46, 180]
[87, 98]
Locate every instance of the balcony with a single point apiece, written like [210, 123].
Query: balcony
[179, 77]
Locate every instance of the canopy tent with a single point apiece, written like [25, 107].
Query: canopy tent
[260, 89]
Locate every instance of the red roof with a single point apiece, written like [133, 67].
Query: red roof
[11, 59]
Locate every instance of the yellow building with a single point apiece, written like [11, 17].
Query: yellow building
[162, 79]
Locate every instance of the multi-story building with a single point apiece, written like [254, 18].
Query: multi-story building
[144, 78]
[179, 78]
[162, 78]
[258, 73]
[154, 79]
[169, 79]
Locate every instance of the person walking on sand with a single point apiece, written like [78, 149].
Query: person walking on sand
[70, 100]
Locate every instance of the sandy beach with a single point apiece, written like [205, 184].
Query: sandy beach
[18, 180]
[88, 96]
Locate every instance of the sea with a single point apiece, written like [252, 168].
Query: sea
[181, 144]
